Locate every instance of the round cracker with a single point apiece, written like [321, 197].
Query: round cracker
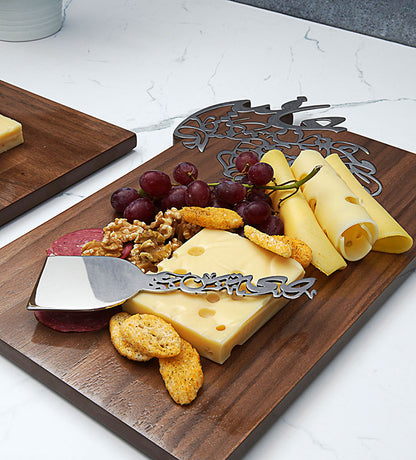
[151, 335]
[182, 374]
[120, 344]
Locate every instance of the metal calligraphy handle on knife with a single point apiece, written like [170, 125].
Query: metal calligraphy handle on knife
[77, 283]
[232, 283]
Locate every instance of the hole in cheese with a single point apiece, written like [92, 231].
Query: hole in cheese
[234, 296]
[206, 312]
[352, 199]
[212, 297]
[191, 283]
[196, 251]
[220, 327]
[180, 271]
[356, 241]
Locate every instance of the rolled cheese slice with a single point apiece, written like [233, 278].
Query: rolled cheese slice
[392, 237]
[339, 211]
[299, 220]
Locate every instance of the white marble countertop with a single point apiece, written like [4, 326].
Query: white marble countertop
[146, 66]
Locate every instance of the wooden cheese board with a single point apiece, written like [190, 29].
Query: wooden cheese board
[241, 397]
[61, 146]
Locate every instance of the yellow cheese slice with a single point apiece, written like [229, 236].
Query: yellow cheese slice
[215, 322]
[299, 220]
[10, 133]
[339, 212]
[392, 237]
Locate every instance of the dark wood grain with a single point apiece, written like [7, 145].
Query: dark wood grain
[61, 146]
[253, 386]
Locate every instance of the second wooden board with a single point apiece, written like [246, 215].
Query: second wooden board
[61, 146]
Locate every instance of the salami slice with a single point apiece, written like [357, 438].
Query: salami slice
[76, 321]
[127, 247]
[71, 244]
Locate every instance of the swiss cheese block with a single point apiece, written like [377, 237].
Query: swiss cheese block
[392, 237]
[299, 220]
[337, 209]
[10, 133]
[215, 322]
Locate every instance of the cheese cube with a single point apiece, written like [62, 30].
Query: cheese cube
[215, 322]
[10, 133]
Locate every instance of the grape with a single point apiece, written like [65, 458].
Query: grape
[243, 179]
[215, 202]
[240, 231]
[175, 198]
[258, 194]
[245, 160]
[229, 191]
[273, 225]
[122, 197]
[155, 183]
[260, 173]
[185, 172]
[142, 209]
[256, 212]
[239, 208]
[198, 193]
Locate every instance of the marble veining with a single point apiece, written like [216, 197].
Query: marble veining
[213, 75]
[359, 68]
[320, 444]
[316, 41]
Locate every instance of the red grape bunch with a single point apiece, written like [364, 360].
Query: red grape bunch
[246, 193]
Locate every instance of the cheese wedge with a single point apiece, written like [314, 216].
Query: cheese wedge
[339, 212]
[215, 322]
[10, 133]
[299, 220]
[392, 237]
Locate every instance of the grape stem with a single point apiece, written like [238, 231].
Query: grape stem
[291, 183]
[296, 184]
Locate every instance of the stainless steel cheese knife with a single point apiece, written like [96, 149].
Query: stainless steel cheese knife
[88, 283]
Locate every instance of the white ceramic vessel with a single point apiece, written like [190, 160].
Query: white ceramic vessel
[24, 20]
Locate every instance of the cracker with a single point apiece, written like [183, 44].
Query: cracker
[211, 217]
[182, 374]
[273, 243]
[121, 345]
[301, 252]
[151, 335]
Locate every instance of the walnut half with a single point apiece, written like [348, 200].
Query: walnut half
[151, 243]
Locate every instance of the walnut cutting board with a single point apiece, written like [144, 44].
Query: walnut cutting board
[61, 146]
[240, 397]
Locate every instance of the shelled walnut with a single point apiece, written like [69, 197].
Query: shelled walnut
[151, 243]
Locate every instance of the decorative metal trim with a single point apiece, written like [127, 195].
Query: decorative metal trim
[269, 133]
[233, 283]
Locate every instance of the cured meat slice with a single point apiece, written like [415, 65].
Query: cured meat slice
[76, 321]
[71, 244]
[127, 247]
